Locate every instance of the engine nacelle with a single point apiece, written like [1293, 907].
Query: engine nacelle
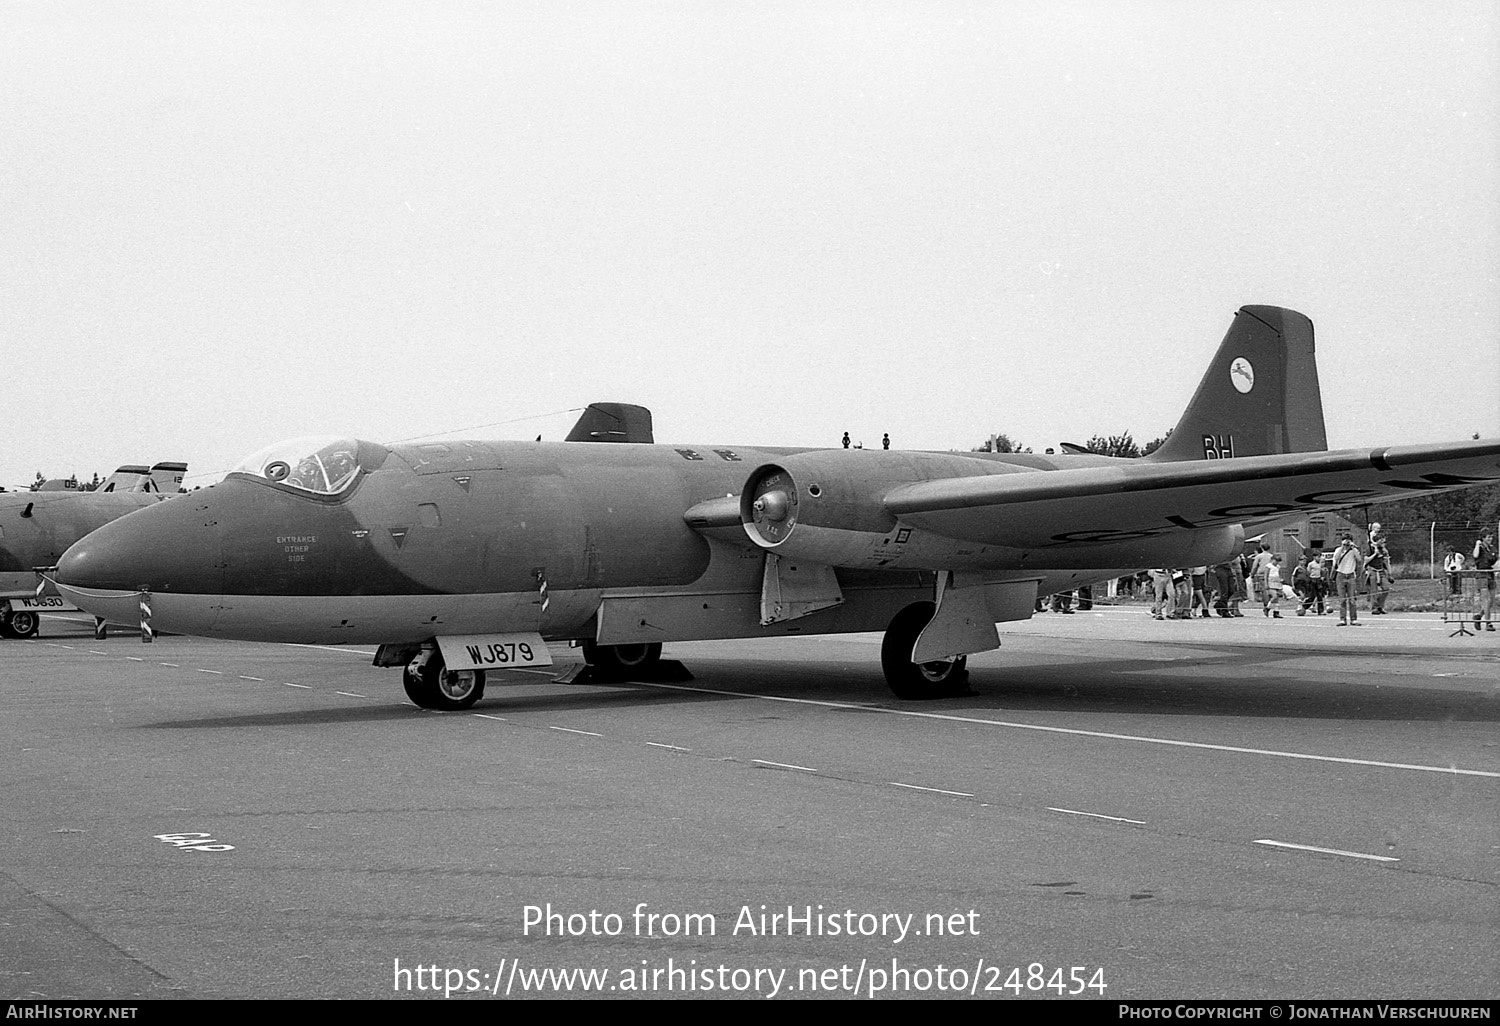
[828, 506]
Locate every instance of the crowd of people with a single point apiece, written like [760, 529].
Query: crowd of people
[1321, 583]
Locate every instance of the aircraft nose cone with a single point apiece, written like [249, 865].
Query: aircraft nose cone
[173, 546]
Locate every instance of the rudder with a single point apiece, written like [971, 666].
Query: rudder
[1260, 395]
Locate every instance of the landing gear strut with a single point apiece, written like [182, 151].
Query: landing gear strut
[431, 685]
[909, 680]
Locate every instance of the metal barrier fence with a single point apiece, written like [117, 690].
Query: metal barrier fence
[1462, 599]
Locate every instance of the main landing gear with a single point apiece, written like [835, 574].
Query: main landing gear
[431, 685]
[909, 680]
[617, 660]
[22, 623]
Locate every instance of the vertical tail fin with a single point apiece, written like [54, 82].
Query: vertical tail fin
[1260, 395]
[128, 478]
[168, 477]
[612, 422]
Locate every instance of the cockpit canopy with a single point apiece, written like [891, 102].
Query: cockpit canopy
[319, 465]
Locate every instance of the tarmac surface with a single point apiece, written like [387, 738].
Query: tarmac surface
[1124, 808]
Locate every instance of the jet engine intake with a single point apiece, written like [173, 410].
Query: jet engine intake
[809, 507]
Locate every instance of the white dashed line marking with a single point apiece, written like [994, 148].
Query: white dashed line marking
[95, 651]
[219, 672]
[1171, 742]
[289, 684]
[349, 694]
[1328, 851]
[784, 765]
[1097, 815]
[570, 730]
[135, 659]
[243, 677]
[487, 716]
[674, 748]
[934, 790]
[172, 665]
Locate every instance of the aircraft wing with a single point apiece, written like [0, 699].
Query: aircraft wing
[1135, 500]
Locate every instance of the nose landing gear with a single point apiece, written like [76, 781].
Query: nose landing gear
[431, 685]
[20, 624]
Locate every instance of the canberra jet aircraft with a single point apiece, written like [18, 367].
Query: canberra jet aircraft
[459, 557]
[36, 528]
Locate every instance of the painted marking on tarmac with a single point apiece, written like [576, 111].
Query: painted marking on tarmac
[243, 677]
[1327, 851]
[219, 672]
[674, 748]
[571, 730]
[934, 790]
[350, 694]
[289, 684]
[487, 716]
[784, 765]
[333, 648]
[1097, 815]
[172, 665]
[1171, 742]
[95, 651]
[135, 659]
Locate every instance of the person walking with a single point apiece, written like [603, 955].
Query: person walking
[1348, 564]
[1182, 598]
[1378, 567]
[1200, 591]
[1223, 578]
[1241, 566]
[1273, 587]
[1258, 564]
[1317, 581]
[1484, 598]
[1161, 593]
[1302, 585]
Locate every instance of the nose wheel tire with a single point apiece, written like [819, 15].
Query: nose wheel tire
[23, 624]
[913, 681]
[618, 659]
[431, 685]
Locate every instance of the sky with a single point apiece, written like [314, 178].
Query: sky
[229, 224]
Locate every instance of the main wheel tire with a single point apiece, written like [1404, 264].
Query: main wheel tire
[434, 686]
[24, 624]
[618, 659]
[913, 681]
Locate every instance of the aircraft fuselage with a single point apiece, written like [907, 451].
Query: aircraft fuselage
[571, 540]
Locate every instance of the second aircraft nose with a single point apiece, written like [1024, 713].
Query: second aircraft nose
[173, 546]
